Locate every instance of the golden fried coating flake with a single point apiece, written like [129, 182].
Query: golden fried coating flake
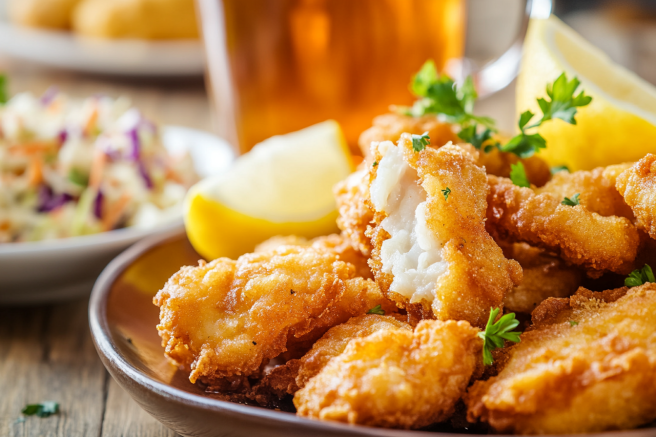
[579, 236]
[355, 214]
[389, 127]
[544, 276]
[395, 378]
[228, 318]
[430, 243]
[638, 187]
[587, 365]
[596, 188]
[334, 243]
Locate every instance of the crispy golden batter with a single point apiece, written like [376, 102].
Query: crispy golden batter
[596, 188]
[432, 251]
[355, 215]
[337, 244]
[544, 276]
[228, 318]
[579, 236]
[395, 378]
[638, 187]
[389, 127]
[587, 365]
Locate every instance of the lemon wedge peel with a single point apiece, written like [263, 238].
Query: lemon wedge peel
[618, 126]
[282, 187]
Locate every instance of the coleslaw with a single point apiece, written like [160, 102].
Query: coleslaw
[71, 168]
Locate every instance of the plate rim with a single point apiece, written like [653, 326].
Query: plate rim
[106, 348]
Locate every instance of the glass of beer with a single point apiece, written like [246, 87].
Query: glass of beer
[277, 66]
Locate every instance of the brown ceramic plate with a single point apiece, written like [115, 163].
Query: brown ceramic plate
[123, 319]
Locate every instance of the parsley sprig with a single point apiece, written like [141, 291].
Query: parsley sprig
[640, 276]
[496, 334]
[518, 175]
[558, 169]
[44, 409]
[445, 193]
[573, 201]
[562, 106]
[377, 310]
[419, 142]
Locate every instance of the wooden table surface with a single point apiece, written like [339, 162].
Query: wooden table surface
[46, 352]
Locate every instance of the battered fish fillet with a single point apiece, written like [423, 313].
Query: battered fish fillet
[389, 127]
[355, 215]
[544, 276]
[596, 188]
[226, 319]
[580, 237]
[431, 248]
[587, 365]
[395, 378]
[337, 244]
[638, 187]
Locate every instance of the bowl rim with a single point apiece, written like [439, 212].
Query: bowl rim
[107, 348]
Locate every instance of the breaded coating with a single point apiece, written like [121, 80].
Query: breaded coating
[395, 378]
[335, 340]
[355, 215]
[334, 243]
[228, 318]
[430, 246]
[596, 188]
[588, 364]
[580, 237]
[389, 127]
[638, 187]
[545, 276]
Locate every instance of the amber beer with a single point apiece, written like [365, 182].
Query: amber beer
[277, 66]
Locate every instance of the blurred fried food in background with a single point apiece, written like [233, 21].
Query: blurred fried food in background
[140, 19]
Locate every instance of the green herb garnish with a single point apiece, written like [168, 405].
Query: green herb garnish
[558, 169]
[446, 193]
[562, 106]
[496, 334]
[470, 135]
[518, 175]
[4, 92]
[377, 310]
[44, 409]
[419, 142]
[640, 276]
[375, 163]
[571, 202]
[573, 323]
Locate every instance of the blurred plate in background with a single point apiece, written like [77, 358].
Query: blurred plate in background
[40, 272]
[126, 57]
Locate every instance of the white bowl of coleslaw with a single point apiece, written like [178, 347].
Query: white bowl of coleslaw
[80, 182]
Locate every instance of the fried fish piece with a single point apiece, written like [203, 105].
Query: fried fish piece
[588, 364]
[637, 185]
[544, 276]
[52, 14]
[596, 188]
[355, 215]
[580, 237]
[430, 246]
[338, 244]
[227, 318]
[389, 127]
[395, 378]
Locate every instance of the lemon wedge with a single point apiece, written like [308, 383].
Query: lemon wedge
[282, 186]
[620, 123]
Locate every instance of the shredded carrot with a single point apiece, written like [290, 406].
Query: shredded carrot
[91, 121]
[173, 175]
[97, 167]
[35, 172]
[115, 213]
[34, 148]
